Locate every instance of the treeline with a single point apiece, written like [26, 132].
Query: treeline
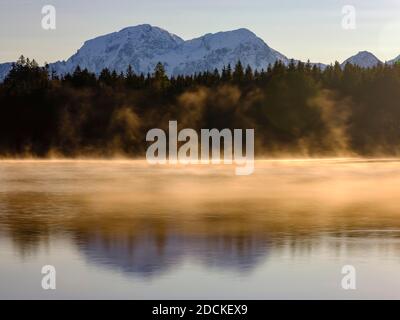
[297, 109]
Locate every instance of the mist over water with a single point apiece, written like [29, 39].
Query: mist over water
[126, 229]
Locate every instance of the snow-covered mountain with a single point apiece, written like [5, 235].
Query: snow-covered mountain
[144, 45]
[363, 59]
[395, 60]
[4, 70]
[136, 46]
[216, 50]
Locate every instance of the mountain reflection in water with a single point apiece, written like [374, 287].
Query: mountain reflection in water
[144, 221]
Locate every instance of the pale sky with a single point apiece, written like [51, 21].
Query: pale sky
[301, 29]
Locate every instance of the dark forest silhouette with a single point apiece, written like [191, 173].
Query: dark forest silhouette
[296, 109]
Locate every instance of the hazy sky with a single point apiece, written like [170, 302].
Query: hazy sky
[302, 29]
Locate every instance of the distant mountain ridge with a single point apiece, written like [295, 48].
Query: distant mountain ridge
[363, 59]
[395, 60]
[143, 46]
[4, 69]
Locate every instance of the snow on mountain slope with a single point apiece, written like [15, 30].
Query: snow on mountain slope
[136, 46]
[144, 45]
[363, 59]
[4, 70]
[220, 49]
[395, 60]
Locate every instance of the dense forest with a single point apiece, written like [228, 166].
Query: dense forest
[295, 110]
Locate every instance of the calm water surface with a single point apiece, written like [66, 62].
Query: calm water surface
[124, 229]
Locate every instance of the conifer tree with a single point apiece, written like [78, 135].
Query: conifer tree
[238, 73]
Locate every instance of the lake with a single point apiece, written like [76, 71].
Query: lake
[128, 230]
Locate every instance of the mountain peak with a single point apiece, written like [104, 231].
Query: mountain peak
[243, 32]
[363, 59]
[145, 27]
[236, 35]
[395, 60]
[148, 28]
